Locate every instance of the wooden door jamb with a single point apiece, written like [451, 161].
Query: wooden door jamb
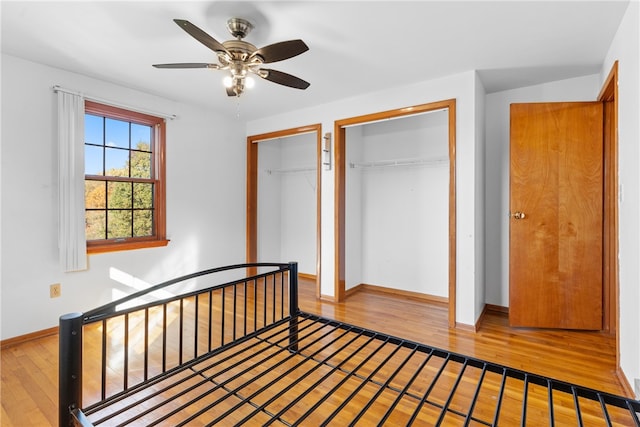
[339, 192]
[252, 190]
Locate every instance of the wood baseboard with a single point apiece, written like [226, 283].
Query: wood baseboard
[496, 309]
[478, 323]
[489, 308]
[398, 292]
[624, 382]
[307, 276]
[327, 298]
[10, 342]
[351, 291]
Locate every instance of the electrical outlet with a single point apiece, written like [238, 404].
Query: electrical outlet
[54, 290]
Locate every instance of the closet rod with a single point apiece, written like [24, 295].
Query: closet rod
[57, 88]
[405, 162]
[291, 170]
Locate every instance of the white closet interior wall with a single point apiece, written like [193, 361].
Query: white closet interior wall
[287, 201]
[397, 204]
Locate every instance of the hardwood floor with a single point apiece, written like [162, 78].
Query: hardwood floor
[30, 370]
[581, 357]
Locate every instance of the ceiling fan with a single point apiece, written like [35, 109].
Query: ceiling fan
[241, 58]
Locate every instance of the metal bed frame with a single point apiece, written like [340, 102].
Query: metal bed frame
[242, 352]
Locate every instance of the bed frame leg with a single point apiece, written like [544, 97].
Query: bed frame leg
[70, 367]
[293, 306]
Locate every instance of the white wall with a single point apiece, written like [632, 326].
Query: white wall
[497, 171]
[353, 209]
[460, 87]
[287, 202]
[205, 200]
[404, 215]
[269, 202]
[626, 49]
[480, 194]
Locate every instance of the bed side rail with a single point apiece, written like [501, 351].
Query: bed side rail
[456, 389]
[130, 343]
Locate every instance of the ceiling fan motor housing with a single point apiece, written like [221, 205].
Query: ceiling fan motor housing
[239, 49]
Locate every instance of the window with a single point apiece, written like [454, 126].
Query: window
[124, 179]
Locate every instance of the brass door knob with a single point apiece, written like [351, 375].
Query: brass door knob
[518, 215]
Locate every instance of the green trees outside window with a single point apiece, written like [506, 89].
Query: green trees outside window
[118, 209]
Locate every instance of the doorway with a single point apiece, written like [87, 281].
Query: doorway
[608, 96]
[341, 161]
[283, 198]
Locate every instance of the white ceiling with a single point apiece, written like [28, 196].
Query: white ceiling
[355, 47]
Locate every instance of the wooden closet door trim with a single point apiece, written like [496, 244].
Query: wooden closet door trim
[339, 191]
[252, 190]
[609, 96]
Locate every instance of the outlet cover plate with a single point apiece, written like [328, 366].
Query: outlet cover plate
[54, 290]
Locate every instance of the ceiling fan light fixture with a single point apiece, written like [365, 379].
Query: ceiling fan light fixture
[239, 58]
[238, 82]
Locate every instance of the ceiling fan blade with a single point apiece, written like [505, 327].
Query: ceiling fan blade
[188, 65]
[283, 78]
[201, 36]
[280, 51]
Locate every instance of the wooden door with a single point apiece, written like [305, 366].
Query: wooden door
[556, 215]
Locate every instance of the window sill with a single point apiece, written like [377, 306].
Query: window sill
[125, 246]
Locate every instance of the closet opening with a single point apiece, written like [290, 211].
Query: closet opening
[283, 199]
[395, 203]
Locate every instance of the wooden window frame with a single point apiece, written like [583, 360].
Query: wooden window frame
[158, 158]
